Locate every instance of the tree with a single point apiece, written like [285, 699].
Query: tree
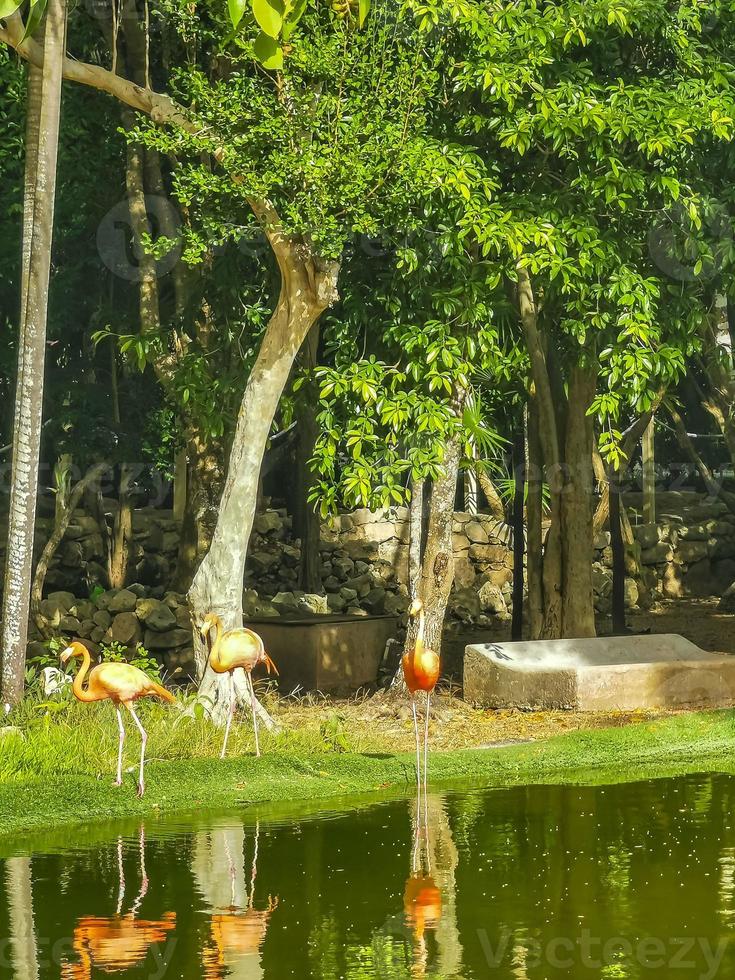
[44, 107]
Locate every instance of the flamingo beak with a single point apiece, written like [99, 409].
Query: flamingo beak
[66, 656]
[270, 665]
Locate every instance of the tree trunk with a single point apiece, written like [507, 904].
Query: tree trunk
[534, 523]
[42, 139]
[307, 288]
[618, 557]
[576, 507]
[437, 560]
[519, 473]
[308, 523]
[494, 500]
[23, 945]
[121, 551]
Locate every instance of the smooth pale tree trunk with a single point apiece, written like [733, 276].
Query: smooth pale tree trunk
[308, 523]
[308, 287]
[44, 110]
[618, 557]
[534, 522]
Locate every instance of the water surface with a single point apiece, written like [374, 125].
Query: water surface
[626, 881]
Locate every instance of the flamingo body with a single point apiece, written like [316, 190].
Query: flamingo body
[238, 649]
[122, 684]
[420, 669]
[422, 903]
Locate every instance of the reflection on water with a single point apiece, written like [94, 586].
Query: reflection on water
[119, 942]
[237, 928]
[540, 882]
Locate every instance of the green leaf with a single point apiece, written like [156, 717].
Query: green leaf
[35, 16]
[292, 18]
[269, 15]
[363, 9]
[236, 9]
[8, 7]
[268, 52]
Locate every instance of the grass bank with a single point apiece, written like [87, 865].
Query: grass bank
[34, 801]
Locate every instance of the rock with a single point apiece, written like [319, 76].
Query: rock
[374, 601]
[601, 541]
[335, 602]
[98, 634]
[379, 532]
[69, 624]
[719, 548]
[489, 553]
[166, 641]
[103, 601]
[153, 570]
[331, 583]
[343, 566]
[285, 602]
[161, 618]
[83, 609]
[698, 579]
[71, 555]
[62, 601]
[126, 629]
[347, 593]
[86, 628]
[601, 580]
[672, 585]
[102, 619]
[722, 574]
[696, 532]
[263, 561]
[491, 599]
[267, 522]
[123, 601]
[658, 554]
[631, 593]
[475, 532]
[464, 572]
[395, 604]
[691, 551]
[139, 590]
[311, 604]
[647, 535]
[465, 605]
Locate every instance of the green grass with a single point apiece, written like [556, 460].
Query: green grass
[60, 773]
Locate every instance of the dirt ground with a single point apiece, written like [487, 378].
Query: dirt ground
[375, 723]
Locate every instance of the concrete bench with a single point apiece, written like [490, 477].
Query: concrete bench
[622, 673]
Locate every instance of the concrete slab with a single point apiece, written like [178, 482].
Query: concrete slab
[624, 673]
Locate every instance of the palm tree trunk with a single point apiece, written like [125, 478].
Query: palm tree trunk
[44, 110]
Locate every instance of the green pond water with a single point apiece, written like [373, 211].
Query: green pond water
[628, 880]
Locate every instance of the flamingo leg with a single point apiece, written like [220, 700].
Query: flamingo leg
[121, 741]
[143, 740]
[230, 715]
[255, 714]
[426, 744]
[418, 748]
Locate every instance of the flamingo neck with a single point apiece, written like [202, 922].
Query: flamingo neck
[217, 638]
[420, 641]
[79, 692]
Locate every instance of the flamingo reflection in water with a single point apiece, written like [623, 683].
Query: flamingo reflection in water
[429, 897]
[117, 943]
[237, 929]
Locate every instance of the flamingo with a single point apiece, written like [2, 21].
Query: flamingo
[239, 648]
[421, 673]
[122, 684]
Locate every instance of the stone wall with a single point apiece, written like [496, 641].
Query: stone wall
[690, 550]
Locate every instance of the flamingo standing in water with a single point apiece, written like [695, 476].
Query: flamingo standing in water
[239, 648]
[122, 684]
[421, 673]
